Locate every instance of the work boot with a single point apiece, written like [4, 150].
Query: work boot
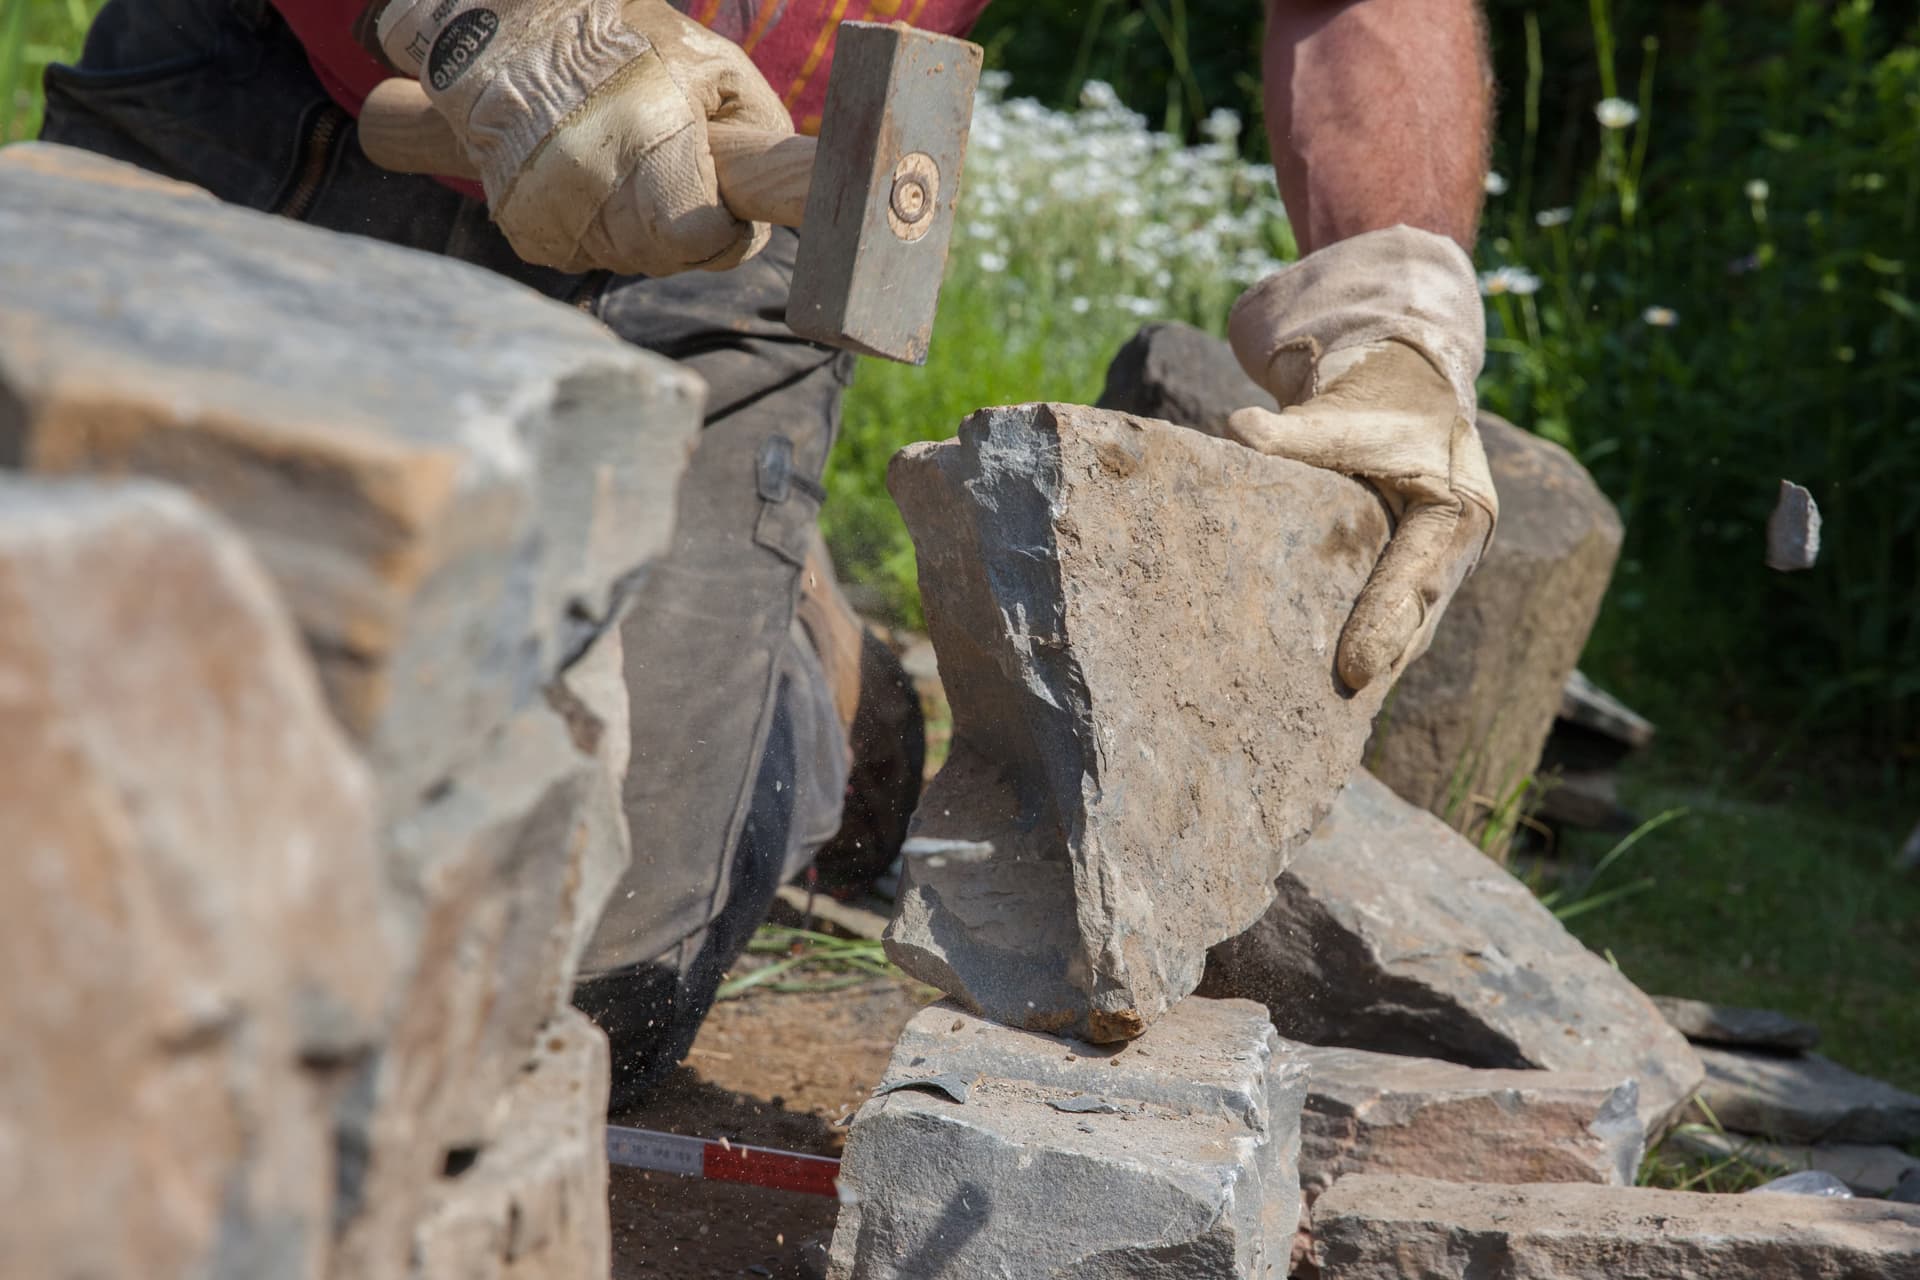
[886, 734]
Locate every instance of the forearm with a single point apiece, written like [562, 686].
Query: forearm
[1378, 112]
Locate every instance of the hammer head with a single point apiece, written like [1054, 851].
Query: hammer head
[886, 180]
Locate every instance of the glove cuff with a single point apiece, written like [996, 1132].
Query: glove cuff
[1398, 284]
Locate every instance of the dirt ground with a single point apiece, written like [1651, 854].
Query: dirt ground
[768, 1070]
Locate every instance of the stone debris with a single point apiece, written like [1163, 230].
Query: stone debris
[1138, 794]
[1732, 1026]
[1380, 1113]
[440, 471]
[195, 953]
[1909, 856]
[532, 1205]
[1586, 705]
[1793, 530]
[1195, 1175]
[1808, 1182]
[1370, 1227]
[1870, 1170]
[1466, 723]
[452, 484]
[1391, 932]
[1181, 374]
[1808, 1099]
[1462, 734]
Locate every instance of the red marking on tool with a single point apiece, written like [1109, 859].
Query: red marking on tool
[721, 1161]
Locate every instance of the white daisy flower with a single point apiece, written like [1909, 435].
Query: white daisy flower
[1616, 113]
[1496, 183]
[1559, 217]
[1515, 280]
[1661, 317]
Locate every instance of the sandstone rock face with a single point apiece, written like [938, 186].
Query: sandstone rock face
[441, 472]
[1730, 1025]
[1387, 1228]
[1172, 1156]
[1390, 932]
[194, 947]
[533, 1205]
[1465, 725]
[1135, 626]
[1380, 1113]
[1805, 1099]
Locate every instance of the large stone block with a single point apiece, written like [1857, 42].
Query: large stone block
[1805, 1099]
[1136, 627]
[1172, 1156]
[1735, 1027]
[532, 1204]
[1870, 1170]
[1463, 729]
[1382, 1113]
[1467, 721]
[1386, 1228]
[194, 947]
[444, 473]
[1390, 932]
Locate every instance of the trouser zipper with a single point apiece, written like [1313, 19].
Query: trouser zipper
[317, 148]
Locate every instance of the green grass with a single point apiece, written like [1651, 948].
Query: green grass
[1781, 905]
[34, 33]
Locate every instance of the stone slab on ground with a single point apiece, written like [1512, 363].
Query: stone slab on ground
[1386, 1228]
[1871, 1170]
[445, 473]
[1391, 932]
[1381, 1113]
[1733, 1026]
[1171, 1156]
[1136, 627]
[532, 1205]
[1466, 723]
[1807, 1098]
[194, 949]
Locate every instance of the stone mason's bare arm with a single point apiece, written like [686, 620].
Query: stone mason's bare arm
[1372, 341]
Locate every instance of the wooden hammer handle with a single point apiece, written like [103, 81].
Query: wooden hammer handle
[764, 176]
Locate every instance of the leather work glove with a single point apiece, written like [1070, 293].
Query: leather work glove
[587, 122]
[1371, 346]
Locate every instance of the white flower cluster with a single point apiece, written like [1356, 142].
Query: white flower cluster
[1093, 210]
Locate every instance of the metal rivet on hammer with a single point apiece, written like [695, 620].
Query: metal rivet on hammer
[916, 186]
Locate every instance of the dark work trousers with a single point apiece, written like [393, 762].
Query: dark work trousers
[739, 762]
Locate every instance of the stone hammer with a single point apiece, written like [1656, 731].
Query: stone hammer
[873, 198]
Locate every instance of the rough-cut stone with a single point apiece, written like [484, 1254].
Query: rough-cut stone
[1464, 729]
[1586, 705]
[1805, 1099]
[1390, 932]
[194, 952]
[1793, 530]
[1808, 1182]
[1387, 1228]
[1382, 1113]
[493, 873]
[442, 471]
[1730, 1025]
[1181, 374]
[1869, 1170]
[1174, 1155]
[1136, 627]
[533, 1203]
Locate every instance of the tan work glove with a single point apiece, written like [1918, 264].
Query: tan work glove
[1371, 346]
[587, 121]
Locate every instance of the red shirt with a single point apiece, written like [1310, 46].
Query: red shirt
[791, 41]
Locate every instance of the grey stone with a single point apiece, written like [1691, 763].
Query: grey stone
[1805, 1099]
[1909, 856]
[1730, 1025]
[1135, 627]
[1386, 1228]
[1462, 733]
[445, 474]
[1382, 1113]
[1869, 1170]
[1793, 530]
[1193, 1174]
[1908, 1189]
[1587, 705]
[1808, 1182]
[1390, 932]
[533, 1203]
[1181, 374]
[195, 949]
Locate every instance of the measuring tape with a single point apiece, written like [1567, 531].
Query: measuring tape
[719, 1161]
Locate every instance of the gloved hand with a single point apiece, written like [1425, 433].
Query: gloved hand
[1371, 346]
[587, 121]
